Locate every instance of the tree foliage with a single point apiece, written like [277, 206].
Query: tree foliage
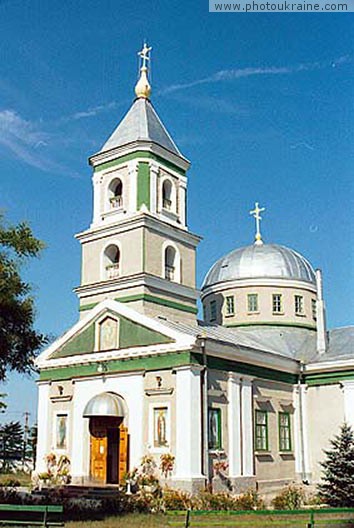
[337, 487]
[19, 341]
[11, 445]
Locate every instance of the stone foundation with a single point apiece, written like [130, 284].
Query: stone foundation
[190, 485]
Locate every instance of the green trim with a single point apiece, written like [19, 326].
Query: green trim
[328, 378]
[157, 300]
[258, 428]
[165, 361]
[286, 428]
[148, 298]
[139, 154]
[87, 307]
[143, 195]
[217, 411]
[275, 323]
[158, 362]
[250, 370]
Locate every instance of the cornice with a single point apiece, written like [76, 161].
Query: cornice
[140, 220]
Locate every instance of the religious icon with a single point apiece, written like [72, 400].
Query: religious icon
[214, 429]
[108, 334]
[160, 427]
[61, 431]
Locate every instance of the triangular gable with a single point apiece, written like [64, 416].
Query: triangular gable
[110, 326]
[127, 334]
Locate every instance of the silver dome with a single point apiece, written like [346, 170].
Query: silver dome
[105, 404]
[260, 261]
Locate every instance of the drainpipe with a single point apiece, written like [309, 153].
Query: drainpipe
[320, 315]
[204, 414]
[302, 432]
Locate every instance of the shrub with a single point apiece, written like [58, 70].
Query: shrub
[216, 501]
[290, 498]
[250, 500]
[176, 500]
[10, 482]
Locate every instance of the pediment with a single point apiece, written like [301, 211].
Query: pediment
[110, 326]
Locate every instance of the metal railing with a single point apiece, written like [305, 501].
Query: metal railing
[306, 518]
[112, 271]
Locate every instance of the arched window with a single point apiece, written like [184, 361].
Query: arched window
[115, 191]
[167, 195]
[170, 263]
[111, 261]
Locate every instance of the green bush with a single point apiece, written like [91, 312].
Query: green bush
[250, 500]
[290, 498]
[10, 482]
[215, 501]
[173, 499]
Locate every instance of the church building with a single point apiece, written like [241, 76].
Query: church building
[259, 383]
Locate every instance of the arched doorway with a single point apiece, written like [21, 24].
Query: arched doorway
[109, 446]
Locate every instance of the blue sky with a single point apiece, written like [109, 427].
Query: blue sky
[261, 104]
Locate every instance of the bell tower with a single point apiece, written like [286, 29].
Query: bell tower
[138, 248]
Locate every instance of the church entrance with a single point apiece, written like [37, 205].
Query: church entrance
[108, 450]
[109, 439]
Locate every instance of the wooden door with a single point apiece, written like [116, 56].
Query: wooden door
[99, 458]
[123, 451]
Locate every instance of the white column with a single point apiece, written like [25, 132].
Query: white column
[302, 459]
[320, 315]
[247, 427]
[348, 390]
[133, 186]
[96, 183]
[188, 423]
[182, 203]
[234, 424]
[44, 427]
[154, 170]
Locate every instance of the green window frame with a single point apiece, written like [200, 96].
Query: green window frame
[299, 305]
[284, 431]
[230, 305]
[277, 302]
[252, 302]
[212, 310]
[314, 309]
[261, 431]
[214, 428]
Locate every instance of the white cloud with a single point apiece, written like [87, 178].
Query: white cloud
[27, 142]
[238, 73]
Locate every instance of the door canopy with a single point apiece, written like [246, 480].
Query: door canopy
[105, 404]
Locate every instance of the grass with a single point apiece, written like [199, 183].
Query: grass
[133, 520]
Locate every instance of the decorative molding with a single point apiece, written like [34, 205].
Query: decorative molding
[144, 155]
[148, 298]
[65, 398]
[159, 391]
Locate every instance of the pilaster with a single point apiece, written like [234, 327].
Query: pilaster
[188, 425]
[234, 424]
[247, 427]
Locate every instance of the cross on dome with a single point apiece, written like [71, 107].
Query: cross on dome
[143, 88]
[256, 215]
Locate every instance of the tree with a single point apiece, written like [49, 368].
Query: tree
[19, 341]
[11, 445]
[337, 488]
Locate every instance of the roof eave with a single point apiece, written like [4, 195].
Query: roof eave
[144, 145]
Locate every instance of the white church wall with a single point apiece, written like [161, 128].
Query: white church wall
[44, 425]
[326, 413]
[130, 388]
